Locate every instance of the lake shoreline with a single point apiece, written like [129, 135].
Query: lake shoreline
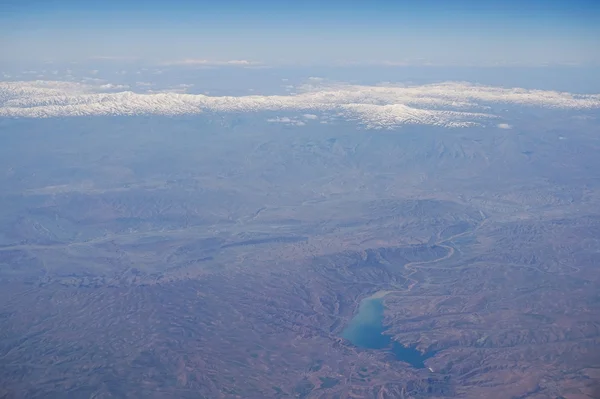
[366, 331]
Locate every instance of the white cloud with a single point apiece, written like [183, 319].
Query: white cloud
[287, 121]
[110, 86]
[310, 116]
[284, 119]
[504, 126]
[113, 58]
[202, 62]
[452, 104]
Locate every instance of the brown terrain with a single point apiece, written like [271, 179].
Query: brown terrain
[222, 258]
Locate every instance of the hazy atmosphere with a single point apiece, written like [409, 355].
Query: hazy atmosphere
[307, 199]
[462, 32]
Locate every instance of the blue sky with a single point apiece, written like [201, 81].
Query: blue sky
[309, 32]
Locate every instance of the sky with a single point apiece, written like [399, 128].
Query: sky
[309, 32]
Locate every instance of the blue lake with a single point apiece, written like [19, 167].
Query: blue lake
[366, 330]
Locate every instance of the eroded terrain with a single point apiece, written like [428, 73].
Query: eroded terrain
[223, 257]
